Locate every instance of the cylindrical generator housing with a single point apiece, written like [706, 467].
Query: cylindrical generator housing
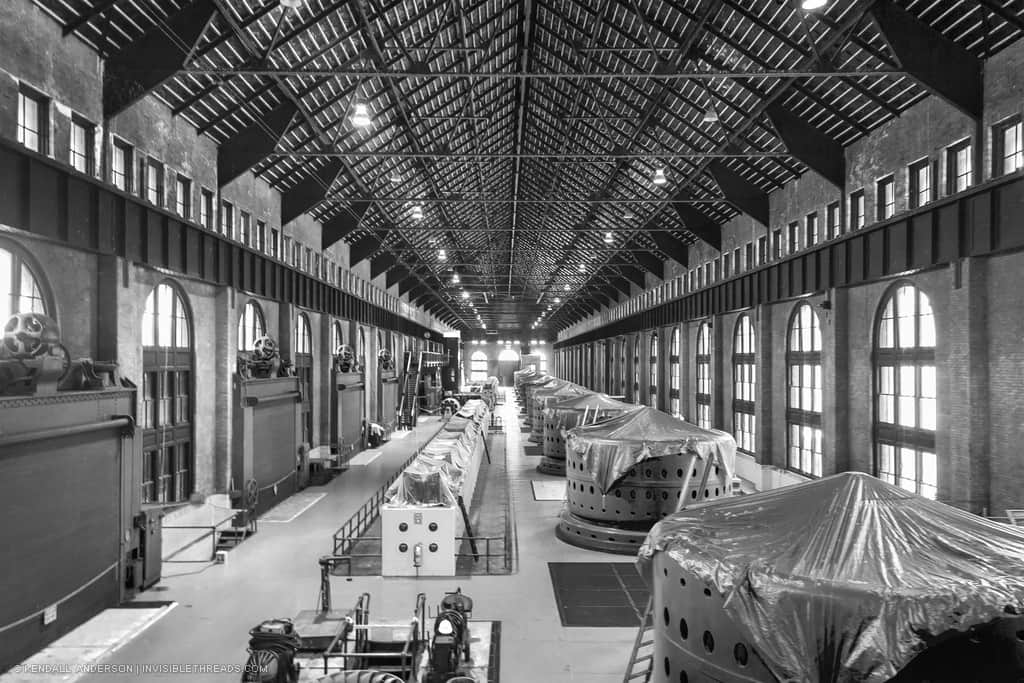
[558, 420]
[542, 398]
[695, 639]
[618, 521]
[529, 387]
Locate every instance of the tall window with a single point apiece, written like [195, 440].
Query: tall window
[1007, 151]
[744, 376]
[803, 407]
[361, 348]
[251, 326]
[478, 367]
[905, 392]
[793, 238]
[275, 241]
[33, 120]
[652, 390]
[167, 408]
[811, 229]
[886, 196]
[748, 255]
[959, 167]
[762, 250]
[302, 344]
[674, 373]
[777, 245]
[154, 182]
[82, 152]
[919, 175]
[857, 218]
[636, 369]
[121, 155]
[183, 196]
[704, 376]
[227, 220]
[21, 291]
[835, 226]
[337, 337]
[206, 218]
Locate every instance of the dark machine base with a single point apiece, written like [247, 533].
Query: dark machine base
[551, 466]
[594, 536]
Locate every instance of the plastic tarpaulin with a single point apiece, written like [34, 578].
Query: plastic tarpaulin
[612, 447]
[425, 482]
[845, 578]
[591, 403]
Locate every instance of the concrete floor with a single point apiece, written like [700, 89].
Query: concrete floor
[275, 574]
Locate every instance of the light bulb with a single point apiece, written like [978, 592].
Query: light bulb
[361, 115]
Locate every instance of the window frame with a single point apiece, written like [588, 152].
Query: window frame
[884, 203]
[43, 138]
[895, 360]
[858, 210]
[156, 191]
[702, 367]
[124, 150]
[801, 418]
[953, 166]
[84, 160]
[920, 196]
[183, 196]
[999, 156]
[652, 380]
[744, 375]
[251, 312]
[21, 260]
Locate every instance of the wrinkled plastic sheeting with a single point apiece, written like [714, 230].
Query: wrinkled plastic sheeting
[845, 578]
[549, 394]
[424, 483]
[603, 405]
[613, 447]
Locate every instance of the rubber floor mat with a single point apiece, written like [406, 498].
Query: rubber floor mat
[598, 594]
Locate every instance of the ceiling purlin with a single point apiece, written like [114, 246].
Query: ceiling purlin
[656, 101]
[828, 45]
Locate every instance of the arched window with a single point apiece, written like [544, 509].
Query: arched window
[337, 336]
[508, 354]
[803, 407]
[167, 368]
[652, 392]
[673, 360]
[905, 393]
[636, 369]
[744, 378]
[361, 351]
[21, 289]
[478, 367]
[251, 326]
[302, 350]
[704, 376]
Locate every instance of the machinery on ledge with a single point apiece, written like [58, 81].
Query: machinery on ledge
[273, 645]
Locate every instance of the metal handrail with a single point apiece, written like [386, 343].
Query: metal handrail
[211, 532]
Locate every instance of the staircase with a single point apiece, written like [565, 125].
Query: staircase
[641, 658]
[408, 410]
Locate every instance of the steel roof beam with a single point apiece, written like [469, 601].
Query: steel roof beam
[937, 63]
[254, 142]
[309, 191]
[818, 151]
[740, 192]
[153, 58]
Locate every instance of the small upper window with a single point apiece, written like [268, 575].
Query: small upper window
[835, 226]
[245, 228]
[762, 250]
[959, 169]
[857, 217]
[81, 153]
[886, 198]
[33, 120]
[275, 239]
[793, 238]
[260, 236]
[1007, 147]
[183, 197]
[227, 220]
[811, 229]
[920, 177]
[154, 182]
[121, 156]
[206, 209]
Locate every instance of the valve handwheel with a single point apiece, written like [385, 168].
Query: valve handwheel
[252, 494]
